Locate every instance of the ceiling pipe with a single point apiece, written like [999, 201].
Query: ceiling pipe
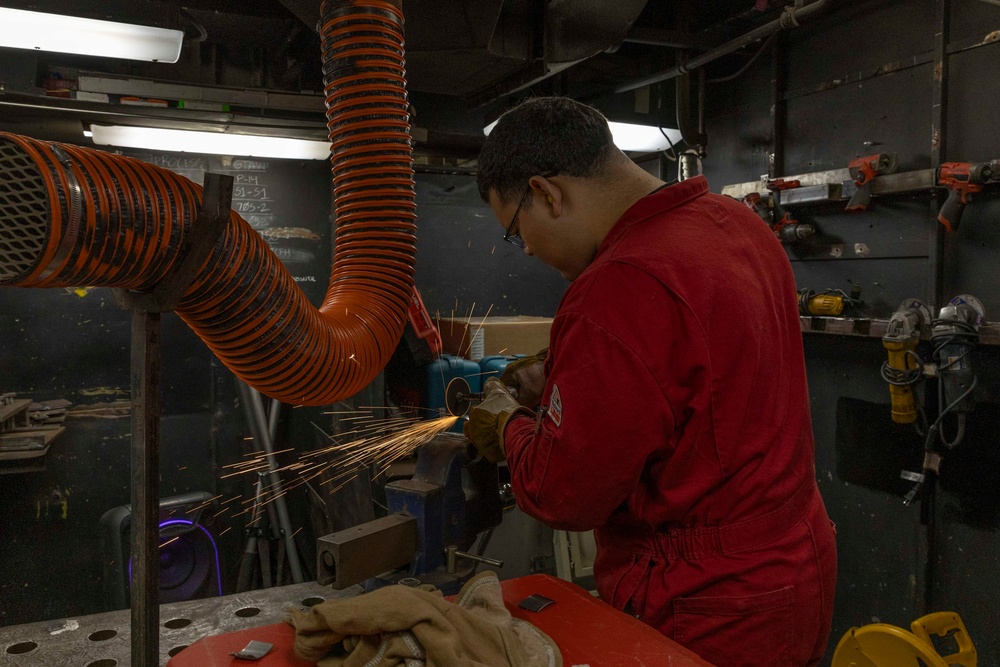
[790, 18]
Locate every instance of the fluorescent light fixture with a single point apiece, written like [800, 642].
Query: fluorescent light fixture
[631, 137]
[216, 143]
[38, 31]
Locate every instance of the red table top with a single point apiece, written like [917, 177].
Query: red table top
[587, 631]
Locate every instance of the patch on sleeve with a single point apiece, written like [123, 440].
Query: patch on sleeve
[555, 406]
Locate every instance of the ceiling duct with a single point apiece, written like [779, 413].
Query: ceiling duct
[483, 49]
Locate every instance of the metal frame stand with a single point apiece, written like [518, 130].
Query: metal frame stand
[263, 428]
[146, 309]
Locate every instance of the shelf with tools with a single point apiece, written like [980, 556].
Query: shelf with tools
[873, 175]
[989, 332]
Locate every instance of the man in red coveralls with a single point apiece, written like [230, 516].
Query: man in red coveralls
[674, 415]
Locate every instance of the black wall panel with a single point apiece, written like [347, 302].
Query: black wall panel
[462, 259]
[864, 35]
[829, 129]
[837, 99]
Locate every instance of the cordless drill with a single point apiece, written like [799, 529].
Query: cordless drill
[864, 170]
[831, 302]
[963, 179]
[902, 370]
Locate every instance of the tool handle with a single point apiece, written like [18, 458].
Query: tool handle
[861, 198]
[950, 214]
[904, 404]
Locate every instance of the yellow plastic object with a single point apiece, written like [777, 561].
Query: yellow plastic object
[883, 645]
[826, 304]
[942, 623]
[904, 406]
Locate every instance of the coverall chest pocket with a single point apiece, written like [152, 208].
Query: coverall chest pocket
[717, 628]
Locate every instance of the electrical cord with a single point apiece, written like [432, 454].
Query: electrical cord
[967, 333]
[672, 156]
[729, 77]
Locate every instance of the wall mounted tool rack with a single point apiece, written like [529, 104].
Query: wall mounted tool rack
[837, 185]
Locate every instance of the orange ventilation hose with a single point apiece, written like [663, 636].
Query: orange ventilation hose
[72, 216]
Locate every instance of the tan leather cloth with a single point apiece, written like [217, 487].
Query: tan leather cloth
[408, 627]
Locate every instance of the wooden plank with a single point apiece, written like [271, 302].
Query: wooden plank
[13, 408]
[27, 443]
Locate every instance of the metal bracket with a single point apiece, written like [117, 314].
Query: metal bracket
[543, 564]
[213, 216]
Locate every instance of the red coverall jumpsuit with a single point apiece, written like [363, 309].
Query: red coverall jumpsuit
[676, 424]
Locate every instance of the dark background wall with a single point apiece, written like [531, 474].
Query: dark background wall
[865, 73]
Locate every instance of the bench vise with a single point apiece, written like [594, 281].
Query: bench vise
[435, 516]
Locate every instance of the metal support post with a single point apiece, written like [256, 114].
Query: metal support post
[145, 586]
[145, 451]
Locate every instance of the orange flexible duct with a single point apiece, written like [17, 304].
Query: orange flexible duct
[72, 216]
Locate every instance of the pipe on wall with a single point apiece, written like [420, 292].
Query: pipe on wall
[790, 18]
[74, 216]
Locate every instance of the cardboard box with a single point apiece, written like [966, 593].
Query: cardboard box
[478, 338]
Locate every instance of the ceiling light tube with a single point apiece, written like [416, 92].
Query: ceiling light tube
[631, 137]
[39, 31]
[215, 143]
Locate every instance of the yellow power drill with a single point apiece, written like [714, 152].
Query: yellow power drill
[829, 302]
[904, 367]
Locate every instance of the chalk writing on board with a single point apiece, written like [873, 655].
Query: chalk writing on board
[292, 255]
[258, 221]
[249, 165]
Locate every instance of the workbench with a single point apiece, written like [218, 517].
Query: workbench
[104, 640]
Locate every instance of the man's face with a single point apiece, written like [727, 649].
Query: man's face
[555, 241]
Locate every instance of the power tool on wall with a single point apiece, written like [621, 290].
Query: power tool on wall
[963, 179]
[830, 302]
[954, 334]
[904, 368]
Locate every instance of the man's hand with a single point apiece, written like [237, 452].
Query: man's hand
[488, 420]
[526, 378]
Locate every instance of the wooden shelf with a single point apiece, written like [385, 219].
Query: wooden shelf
[27, 443]
[989, 333]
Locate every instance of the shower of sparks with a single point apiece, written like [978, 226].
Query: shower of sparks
[473, 336]
[373, 442]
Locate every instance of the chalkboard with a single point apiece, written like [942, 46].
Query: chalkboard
[288, 202]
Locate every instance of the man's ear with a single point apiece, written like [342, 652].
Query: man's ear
[552, 193]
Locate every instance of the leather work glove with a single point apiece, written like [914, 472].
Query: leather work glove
[526, 378]
[488, 419]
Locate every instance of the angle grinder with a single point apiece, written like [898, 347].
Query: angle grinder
[458, 397]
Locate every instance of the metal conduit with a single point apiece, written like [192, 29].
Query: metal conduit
[73, 216]
[790, 18]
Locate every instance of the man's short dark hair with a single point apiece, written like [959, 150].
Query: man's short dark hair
[543, 135]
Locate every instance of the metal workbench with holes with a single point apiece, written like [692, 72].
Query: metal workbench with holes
[103, 640]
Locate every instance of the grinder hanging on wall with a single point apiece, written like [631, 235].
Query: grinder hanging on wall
[954, 334]
[904, 368]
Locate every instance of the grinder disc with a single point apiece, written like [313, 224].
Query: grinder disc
[456, 397]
